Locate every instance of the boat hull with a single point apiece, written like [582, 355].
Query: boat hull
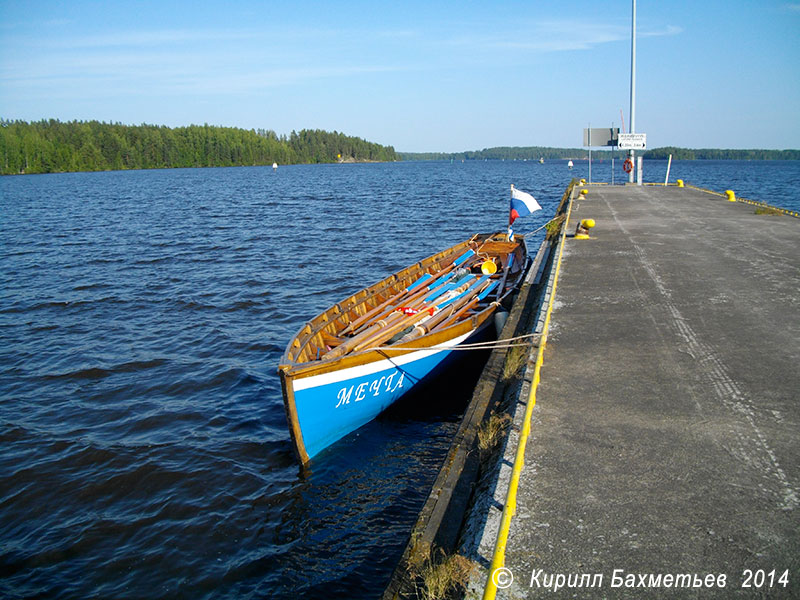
[330, 391]
[332, 405]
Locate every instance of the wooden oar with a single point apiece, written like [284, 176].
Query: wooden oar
[456, 298]
[386, 319]
[444, 318]
[390, 314]
[509, 264]
[477, 294]
[386, 332]
[428, 325]
[376, 312]
[389, 318]
[455, 317]
[373, 313]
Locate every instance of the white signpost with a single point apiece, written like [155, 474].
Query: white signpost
[632, 141]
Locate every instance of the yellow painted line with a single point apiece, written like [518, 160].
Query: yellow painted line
[699, 189]
[510, 508]
[785, 211]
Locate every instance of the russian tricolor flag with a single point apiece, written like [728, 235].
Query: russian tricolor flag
[521, 204]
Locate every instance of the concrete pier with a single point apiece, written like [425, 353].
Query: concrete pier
[665, 437]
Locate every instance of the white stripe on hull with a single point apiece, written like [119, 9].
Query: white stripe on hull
[374, 367]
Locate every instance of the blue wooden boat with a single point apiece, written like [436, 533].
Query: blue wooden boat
[352, 361]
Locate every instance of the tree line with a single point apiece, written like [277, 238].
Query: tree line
[50, 146]
[720, 154]
[501, 153]
[548, 153]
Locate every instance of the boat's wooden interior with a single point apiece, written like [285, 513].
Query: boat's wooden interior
[318, 340]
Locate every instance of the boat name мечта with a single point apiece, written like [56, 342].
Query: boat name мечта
[345, 393]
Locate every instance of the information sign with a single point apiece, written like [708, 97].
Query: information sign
[632, 141]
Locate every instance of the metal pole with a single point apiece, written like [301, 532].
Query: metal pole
[669, 164]
[633, 82]
[590, 153]
[638, 170]
[612, 152]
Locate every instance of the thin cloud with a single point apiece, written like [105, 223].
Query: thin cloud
[559, 36]
[181, 61]
[397, 34]
[668, 30]
[149, 38]
[58, 22]
[139, 72]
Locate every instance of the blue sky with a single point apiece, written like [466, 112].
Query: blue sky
[421, 76]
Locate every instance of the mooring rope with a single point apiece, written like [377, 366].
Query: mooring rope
[512, 342]
[553, 220]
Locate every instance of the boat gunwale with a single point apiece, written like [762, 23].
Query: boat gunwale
[429, 341]
[334, 312]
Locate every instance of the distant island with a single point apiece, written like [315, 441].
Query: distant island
[50, 146]
[548, 153]
[718, 154]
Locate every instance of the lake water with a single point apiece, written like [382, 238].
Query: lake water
[145, 452]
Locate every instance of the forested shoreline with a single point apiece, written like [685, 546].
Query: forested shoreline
[50, 146]
[500, 153]
[720, 154]
[549, 153]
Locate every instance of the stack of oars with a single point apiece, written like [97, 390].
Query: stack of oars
[357, 326]
[455, 297]
[386, 315]
[458, 292]
[383, 314]
[443, 318]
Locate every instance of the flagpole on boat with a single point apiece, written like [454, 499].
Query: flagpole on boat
[510, 231]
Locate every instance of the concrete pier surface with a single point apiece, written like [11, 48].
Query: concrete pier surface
[666, 432]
